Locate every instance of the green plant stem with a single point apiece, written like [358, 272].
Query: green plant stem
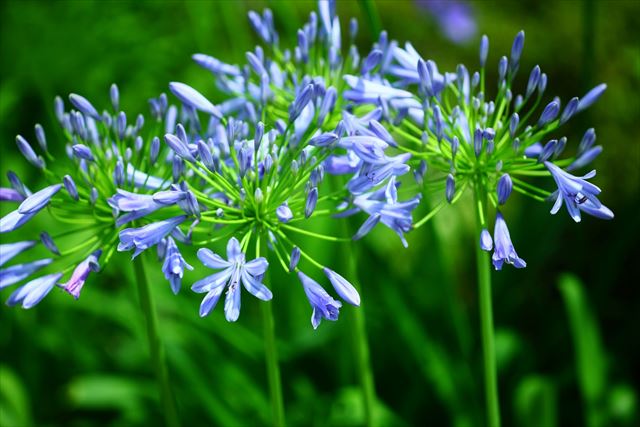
[365, 374]
[273, 369]
[358, 330]
[486, 317]
[271, 360]
[155, 346]
[371, 11]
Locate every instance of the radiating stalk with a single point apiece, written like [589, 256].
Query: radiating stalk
[271, 357]
[155, 346]
[358, 330]
[486, 317]
[371, 11]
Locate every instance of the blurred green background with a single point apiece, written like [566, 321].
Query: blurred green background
[568, 345]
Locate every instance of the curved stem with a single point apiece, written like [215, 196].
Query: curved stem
[271, 360]
[486, 316]
[155, 346]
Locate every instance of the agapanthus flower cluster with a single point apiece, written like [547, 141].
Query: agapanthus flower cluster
[301, 133]
[105, 153]
[465, 140]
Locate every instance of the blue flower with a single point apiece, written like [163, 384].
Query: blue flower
[32, 293]
[76, 281]
[18, 272]
[10, 195]
[382, 205]
[234, 270]
[577, 193]
[147, 236]
[173, 266]
[28, 208]
[10, 250]
[324, 306]
[503, 248]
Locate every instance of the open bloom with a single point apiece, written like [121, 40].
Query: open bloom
[577, 194]
[80, 274]
[234, 271]
[503, 248]
[324, 306]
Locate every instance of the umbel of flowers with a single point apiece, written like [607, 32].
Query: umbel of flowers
[105, 152]
[302, 133]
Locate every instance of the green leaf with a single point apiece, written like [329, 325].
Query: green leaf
[14, 401]
[535, 402]
[590, 357]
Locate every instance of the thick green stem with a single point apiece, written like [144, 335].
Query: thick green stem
[358, 330]
[155, 346]
[486, 317]
[365, 374]
[271, 360]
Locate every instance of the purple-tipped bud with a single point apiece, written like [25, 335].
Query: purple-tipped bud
[154, 150]
[585, 158]
[477, 142]
[455, 143]
[283, 212]
[587, 141]
[42, 140]
[484, 50]
[58, 108]
[345, 289]
[547, 151]
[257, 138]
[475, 79]
[504, 188]
[179, 147]
[17, 184]
[569, 110]
[486, 242]
[534, 77]
[516, 51]
[450, 188]
[562, 143]
[542, 84]
[48, 243]
[114, 93]
[194, 99]
[426, 85]
[439, 122]
[294, 167]
[177, 168]
[28, 152]
[301, 101]
[294, 259]
[371, 61]
[121, 124]
[94, 195]
[81, 151]
[549, 113]
[205, 155]
[70, 186]
[591, 97]
[489, 134]
[323, 140]
[353, 28]
[38, 200]
[513, 124]
[118, 173]
[328, 102]
[256, 64]
[502, 68]
[85, 107]
[258, 196]
[382, 133]
[138, 143]
[310, 204]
